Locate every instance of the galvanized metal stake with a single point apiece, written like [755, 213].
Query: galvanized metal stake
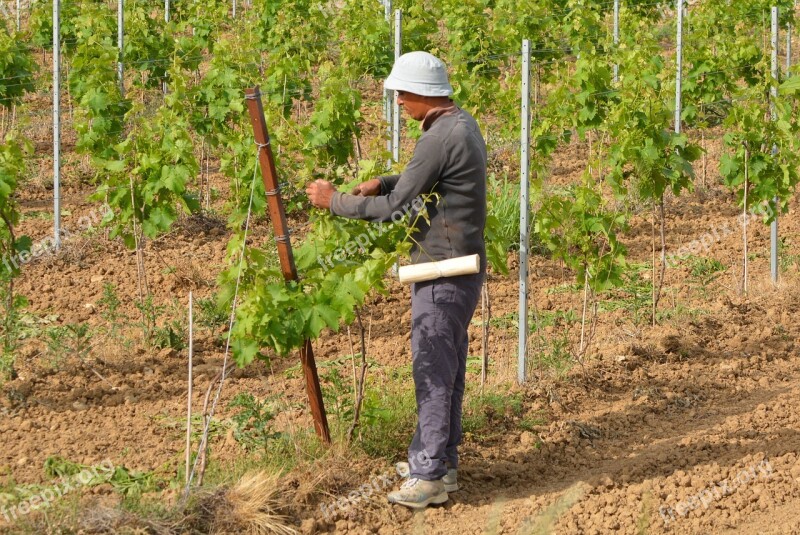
[166, 19]
[57, 122]
[234, 9]
[524, 208]
[679, 69]
[388, 106]
[18, 15]
[773, 231]
[616, 38]
[398, 39]
[121, 45]
[789, 30]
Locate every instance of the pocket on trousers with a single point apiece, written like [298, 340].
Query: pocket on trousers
[444, 292]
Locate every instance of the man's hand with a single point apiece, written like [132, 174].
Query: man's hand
[320, 192]
[370, 188]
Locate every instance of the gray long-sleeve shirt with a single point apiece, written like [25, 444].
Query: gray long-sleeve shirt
[449, 160]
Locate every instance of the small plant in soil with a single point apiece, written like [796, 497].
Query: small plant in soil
[169, 334]
[210, 315]
[254, 421]
[64, 341]
[338, 394]
[635, 296]
[787, 259]
[109, 305]
[704, 271]
[554, 355]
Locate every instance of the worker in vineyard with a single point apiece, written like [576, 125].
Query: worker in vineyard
[446, 177]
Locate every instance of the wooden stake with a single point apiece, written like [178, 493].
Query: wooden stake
[278, 217]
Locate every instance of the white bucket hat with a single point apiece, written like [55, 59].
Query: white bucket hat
[420, 73]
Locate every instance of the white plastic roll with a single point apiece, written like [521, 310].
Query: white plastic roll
[452, 267]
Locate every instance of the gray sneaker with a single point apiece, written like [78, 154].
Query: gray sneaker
[450, 479]
[419, 494]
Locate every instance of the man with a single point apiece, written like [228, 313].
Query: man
[449, 161]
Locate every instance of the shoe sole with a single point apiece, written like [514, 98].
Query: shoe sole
[433, 500]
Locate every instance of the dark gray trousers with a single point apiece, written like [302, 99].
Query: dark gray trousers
[441, 311]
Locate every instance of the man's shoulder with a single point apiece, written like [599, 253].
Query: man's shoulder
[459, 123]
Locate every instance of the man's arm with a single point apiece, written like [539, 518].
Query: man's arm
[422, 172]
[388, 183]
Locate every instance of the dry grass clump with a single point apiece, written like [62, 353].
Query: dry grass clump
[107, 520]
[250, 507]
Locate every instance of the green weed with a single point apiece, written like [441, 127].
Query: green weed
[254, 421]
[506, 321]
[484, 411]
[210, 315]
[502, 199]
[705, 269]
[558, 319]
[10, 333]
[64, 341]
[787, 260]
[159, 333]
[635, 296]
[553, 355]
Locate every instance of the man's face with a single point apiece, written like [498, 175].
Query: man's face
[415, 105]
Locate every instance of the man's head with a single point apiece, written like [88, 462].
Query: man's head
[420, 80]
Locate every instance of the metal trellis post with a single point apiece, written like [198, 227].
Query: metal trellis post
[388, 106]
[398, 40]
[616, 38]
[166, 19]
[524, 225]
[789, 30]
[679, 69]
[57, 122]
[121, 45]
[773, 231]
